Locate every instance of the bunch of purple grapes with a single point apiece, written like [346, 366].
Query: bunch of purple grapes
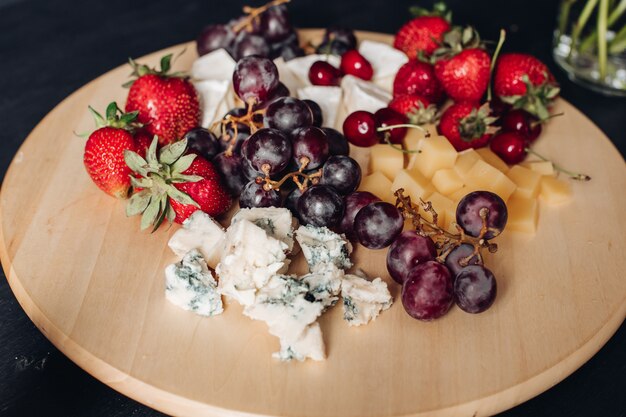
[265, 31]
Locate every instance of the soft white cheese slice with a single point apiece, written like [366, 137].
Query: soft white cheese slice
[300, 66]
[328, 98]
[363, 95]
[216, 65]
[385, 59]
[287, 76]
[321, 246]
[212, 95]
[277, 222]
[190, 285]
[363, 300]
[200, 232]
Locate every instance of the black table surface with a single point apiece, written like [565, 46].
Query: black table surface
[48, 49]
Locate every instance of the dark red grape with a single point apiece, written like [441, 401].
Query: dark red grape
[342, 173]
[360, 129]
[408, 250]
[203, 142]
[354, 202]
[461, 254]
[469, 209]
[320, 205]
[254, 78]
[337, 143]
[475, 289]
[291, 51]
[333, 47]
[310, 142]
[231, 170]
[389, 117]
[267, 150]
[243, 131]
[247, 44]
[337, 41]
[378, 224]
[427, 292]
[291, 201]
[323, 73]
[287, 114]
[254, 195]
[275, 24]
[316, 110]
[249, 172]
[214, 37]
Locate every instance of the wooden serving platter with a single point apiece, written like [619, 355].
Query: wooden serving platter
[93, 284]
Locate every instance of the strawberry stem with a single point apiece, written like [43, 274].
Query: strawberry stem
[572, 175]
[494, 58]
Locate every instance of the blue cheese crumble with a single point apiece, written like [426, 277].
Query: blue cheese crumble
[321, 246]
[363, 300]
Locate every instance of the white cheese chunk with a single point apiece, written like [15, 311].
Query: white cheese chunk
[200, 232]
[328, 98]
[216, 65]
[190, 285]
[250, 258]
[287, 77]
[310, 344]
[325, 284]
[321, 246]
[277, 222]
[300, 66]
[363, 300]
[212, 94]
[363, 95]
[385, 59]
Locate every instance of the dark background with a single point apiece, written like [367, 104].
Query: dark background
[48, 49]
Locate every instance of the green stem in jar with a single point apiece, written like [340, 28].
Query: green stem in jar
[618, 44]
[580, 23]
[603, 12]
[615, 14]
[566, 6]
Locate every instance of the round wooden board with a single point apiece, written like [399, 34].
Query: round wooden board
[93, 284]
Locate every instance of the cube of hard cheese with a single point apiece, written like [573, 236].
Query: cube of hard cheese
[411, 141]
[541, 167]
[465, 161]
[527, 181]
[379, 185]
[555, 191]
[436, 153]
[414, 184]
[485, 177]
[386, 159]
[493, 159]
[447, 181]
[445, 208]
[523, 214]
[462, 192]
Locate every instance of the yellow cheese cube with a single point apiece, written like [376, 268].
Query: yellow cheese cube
[436, 153]
[527, 181]
[493, 159]
[447, 181]
[555, 191]
[386, 159]
[414, 184]
[412, 139]
[541, 167]
[485, 177]
[379, 185]
[465, 160]
[362, 156]
[523, 214]
[445, 208]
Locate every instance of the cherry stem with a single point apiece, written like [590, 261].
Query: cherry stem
[410, 126]
[494, 59]
[398, 148]
[542, 121]
[572, 175]
[254, 13]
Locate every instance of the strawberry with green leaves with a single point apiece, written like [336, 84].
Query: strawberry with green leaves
[167, 102]
[420, 36]
[105, 147]
[466, 125]
[171, 185]
[417, 109]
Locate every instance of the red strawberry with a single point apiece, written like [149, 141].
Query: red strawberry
[143, 140]
[104, 151]
[416, 108]
[174, 185]
[526, 83]
[167, 103]
[417, 77]
[421, 36]
[466, 125]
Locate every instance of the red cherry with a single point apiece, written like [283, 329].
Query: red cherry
[389, 117]
[322, 73]
[510, 146]
[523, 123]
[353, 63]
[360, 129]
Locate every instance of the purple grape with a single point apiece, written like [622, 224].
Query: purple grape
[316, 110]
[310, 142]
[291, 202]
[475, 289]
[249, 172]
[254, 78]
[275, 24]
[341, 172]
[232, 173]
[254, 195]
[337, 41]
[427, 292]
[337, 143]
[320, 205]
[280, 91]
[269, 148]
[291, 51]
[203, 142]
[214, 37]
[287, 114]
[408, 250]
[248, 44]
[378, 224]
[468, 213]
[354, 202]
[461, 253]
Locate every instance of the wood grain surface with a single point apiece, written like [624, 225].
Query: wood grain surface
[94, 285]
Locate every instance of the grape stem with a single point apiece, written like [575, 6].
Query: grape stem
[253, 15]
[247, 119]
[572, 175]
[270, 184]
